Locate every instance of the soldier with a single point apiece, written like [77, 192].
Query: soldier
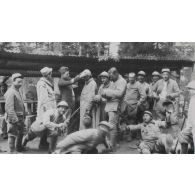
[164, 89]
[66, 87]
[187, 136]
[134, 97]
[15, 114]
[151, 134]
[146, 87]
[155, 78]
[45, 98]
[53, 123]
[114, 96]
[84, 141]
[99, 100]
[86, 98]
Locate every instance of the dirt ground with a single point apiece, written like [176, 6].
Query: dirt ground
[123, 147]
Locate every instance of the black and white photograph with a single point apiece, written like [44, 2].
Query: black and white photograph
[97, 97]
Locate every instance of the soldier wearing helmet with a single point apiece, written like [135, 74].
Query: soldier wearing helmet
[53, 123]
[86, 140]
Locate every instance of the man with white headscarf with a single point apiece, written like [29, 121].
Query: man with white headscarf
[46, 96]
[86, 98]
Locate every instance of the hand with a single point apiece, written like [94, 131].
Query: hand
[138, 103]
[77, 78]
[156, 97]
[97, 98]
[123, 127]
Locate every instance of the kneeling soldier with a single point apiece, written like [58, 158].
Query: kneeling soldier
[86, 140]
[151, 134]
[53, 122]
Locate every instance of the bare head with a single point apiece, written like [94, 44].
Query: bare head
[113, 74]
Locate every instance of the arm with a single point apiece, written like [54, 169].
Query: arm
[116, 93]
[42, 94]
[9, 104]
[142, 95]
[47, 122]
[62, 82]
[134, 127]
[176, 90]
[92, 91]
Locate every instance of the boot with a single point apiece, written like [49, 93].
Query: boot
[25, 141]
[19, 147]
[11, 143]
[184, 148]
[43, 142]
[52, 144]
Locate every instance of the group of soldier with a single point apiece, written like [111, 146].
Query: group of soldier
[120, 109]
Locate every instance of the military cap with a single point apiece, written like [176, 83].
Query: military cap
[148, 112]
[16, 75]
[62, 103]
[191, 85]
[141, 73]
[63, 69]
[131, 74]
[45, 71]
[107, 126]
[104, 74]
[166, 70]
[155, 73]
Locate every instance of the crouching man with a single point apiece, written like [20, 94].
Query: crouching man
[85, 141]
[152, 138]
[53, 122]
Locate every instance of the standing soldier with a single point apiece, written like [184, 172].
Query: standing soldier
[101, 114]
[114, 96]
[66, 88]
[155, 78]
[134, 97]
[15, 114]
[86, 98]
[187, 136]
[46, 98]
[165, 89]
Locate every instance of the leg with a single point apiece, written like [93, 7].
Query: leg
[52, 143]
[29, 137]
[184, 138]
[43, 141]
[144, 148]
[20, 135]
[113, 120]
[11, 143]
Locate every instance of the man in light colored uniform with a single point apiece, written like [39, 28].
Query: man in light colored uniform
[87, 95]
[45, 98]
[53, 123]
[84, 141]
[187, 136]
[114, 96]
[152, 138]
[165, 89]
